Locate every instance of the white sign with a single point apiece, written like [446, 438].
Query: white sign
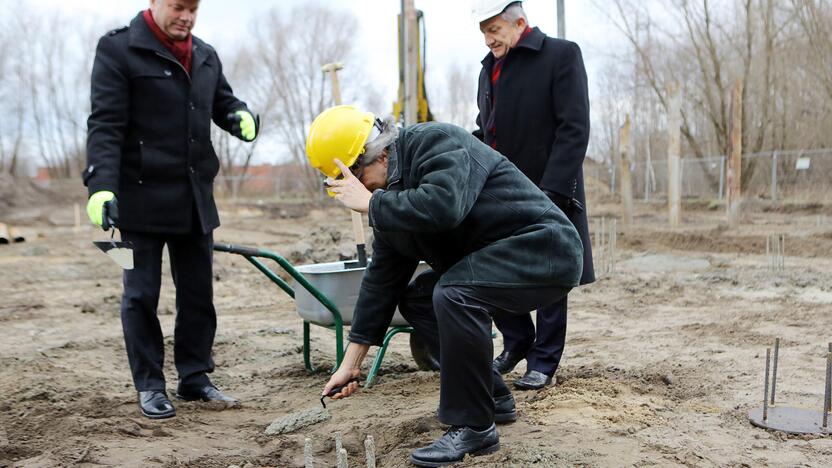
[802, 164]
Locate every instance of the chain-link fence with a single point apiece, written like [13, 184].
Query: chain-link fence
[774, 175]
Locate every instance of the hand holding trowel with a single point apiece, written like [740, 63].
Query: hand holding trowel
[120, 252]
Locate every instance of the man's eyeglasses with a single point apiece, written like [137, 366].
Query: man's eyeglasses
[357, 167]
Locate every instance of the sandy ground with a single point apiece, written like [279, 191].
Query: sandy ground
[664, 357]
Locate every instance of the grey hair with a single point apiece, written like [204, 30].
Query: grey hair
[514, 12]
[389, 132]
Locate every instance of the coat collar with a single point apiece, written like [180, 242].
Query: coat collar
[533, 41]
[142, 37]
[394, 173]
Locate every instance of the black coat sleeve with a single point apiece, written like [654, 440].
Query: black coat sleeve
[109, 117]
[224, 100]
[384, 283]
[571, 109]
[478, 131]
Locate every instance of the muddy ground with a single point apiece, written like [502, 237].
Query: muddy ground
[664, 357]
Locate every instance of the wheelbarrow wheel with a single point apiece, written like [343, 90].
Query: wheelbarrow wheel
[422, 356]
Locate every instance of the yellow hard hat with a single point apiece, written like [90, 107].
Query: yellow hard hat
[339, 132]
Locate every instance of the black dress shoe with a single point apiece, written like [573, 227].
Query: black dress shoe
[507, 360]
[455, 444]
[505, 410]
[207, 393]
[533, 380]
[155, 404]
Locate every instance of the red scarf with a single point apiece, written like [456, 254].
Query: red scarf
[180, 49]
[498, 64]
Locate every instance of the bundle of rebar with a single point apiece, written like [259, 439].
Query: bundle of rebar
[776, 251]
[340, 452]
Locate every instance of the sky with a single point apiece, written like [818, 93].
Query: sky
[452, 36]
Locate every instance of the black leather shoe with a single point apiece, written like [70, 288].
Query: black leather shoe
[507, 360]
[533, 380]
[207, 393]
[155, 404]
[455, 444]
[505, 410]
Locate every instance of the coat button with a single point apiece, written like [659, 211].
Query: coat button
[193, 171]
[191, 140]
[192, 105]
[167, 73]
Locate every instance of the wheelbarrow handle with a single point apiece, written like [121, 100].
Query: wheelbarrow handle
[238, 249]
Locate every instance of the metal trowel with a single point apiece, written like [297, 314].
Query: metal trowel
[120, 252]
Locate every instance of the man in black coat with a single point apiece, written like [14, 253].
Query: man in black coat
[534, 109]
[435, 193]
[155, 90]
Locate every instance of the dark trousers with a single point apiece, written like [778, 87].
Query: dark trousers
[544, 348]
[191, 257]
[456, 320]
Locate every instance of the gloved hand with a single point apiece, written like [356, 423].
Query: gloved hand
[95, 206]
[243, 125]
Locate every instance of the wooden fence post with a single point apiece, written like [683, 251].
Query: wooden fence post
[674, 161]
[734, 173]
[626, 185]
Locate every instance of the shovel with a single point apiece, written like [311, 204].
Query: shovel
[120, 252]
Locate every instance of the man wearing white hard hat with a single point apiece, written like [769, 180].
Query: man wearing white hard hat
[534, 109]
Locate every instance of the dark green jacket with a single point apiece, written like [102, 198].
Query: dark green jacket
[469, 213]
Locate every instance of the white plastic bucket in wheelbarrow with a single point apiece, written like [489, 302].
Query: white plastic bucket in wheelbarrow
[339, 282]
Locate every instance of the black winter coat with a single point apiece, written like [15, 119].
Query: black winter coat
[149, 132]
[470, 214]
[542, 121]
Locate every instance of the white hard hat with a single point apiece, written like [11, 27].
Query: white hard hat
[485, 9]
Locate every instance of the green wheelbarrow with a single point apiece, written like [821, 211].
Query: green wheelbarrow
[312, 287]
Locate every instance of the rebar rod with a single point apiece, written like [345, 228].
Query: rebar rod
[342, 459]
[828, 390]
[774, 370]
[765, 392]
[307, 453]
[338, 442]
[370, 449]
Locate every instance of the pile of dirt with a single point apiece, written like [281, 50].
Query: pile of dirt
[16, 193]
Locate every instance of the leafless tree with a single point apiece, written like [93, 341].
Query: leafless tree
[705, 46]
[286, 64]
[460, 98]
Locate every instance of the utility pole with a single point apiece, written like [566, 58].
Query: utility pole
[561, 20]
[409, 31]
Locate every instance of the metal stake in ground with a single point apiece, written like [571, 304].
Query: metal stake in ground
[828, 389]
[765, 392]
[307, 453]
[829, 380]
[342, 459]
[338, 443]
[357, 223]
[774, 371]
[370, 449]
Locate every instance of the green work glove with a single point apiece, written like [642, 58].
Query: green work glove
[243, 125]
[95, 206]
